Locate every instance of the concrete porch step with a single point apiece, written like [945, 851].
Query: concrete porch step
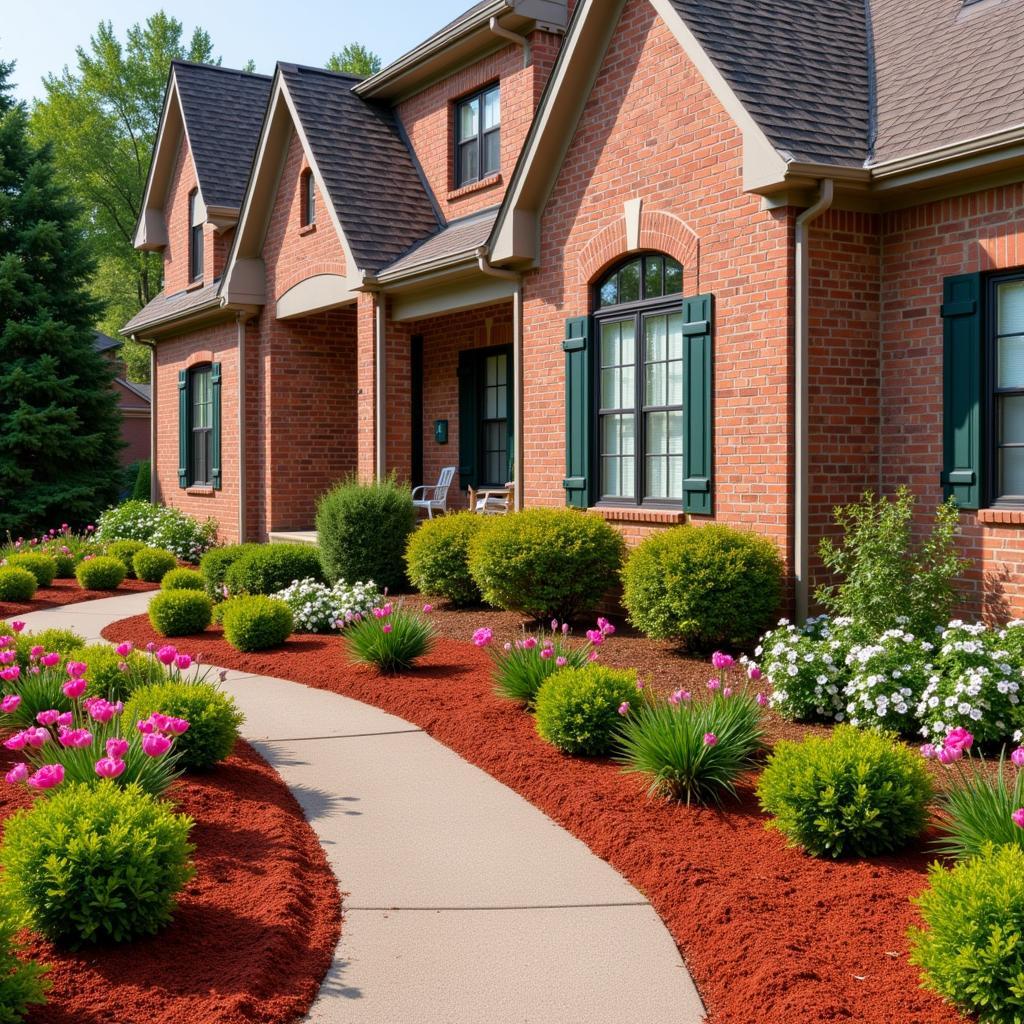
[295, 537]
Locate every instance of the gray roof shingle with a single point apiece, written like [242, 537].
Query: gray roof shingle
[461, 236]
[224, 113]
[373, 183]
[165, 307]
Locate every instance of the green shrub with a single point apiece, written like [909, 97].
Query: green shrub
[153, 564]
[692, 750]
[65, 564]
[215, 563]
[268, 568]
[100, 573]
[212, 716]
[183, 579]
[141, 486]
[158, 526]
[22, 982]
[703, 586]
[16, 584]
[180, 612]
[437, 557]
[43, 567]
[124, 551]
[363, 530]
[970, 950]
[256, 623]
[393, 642]
[545, 561]
[578, 709]
[60, 640]
[854, 792]
[97, 862]
[107, 678]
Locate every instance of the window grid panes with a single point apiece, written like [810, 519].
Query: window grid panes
[494, 426]
[617, 408]
[478, 136]
[200, 387]
[645, 277]
[1009, 389]
[663, 406]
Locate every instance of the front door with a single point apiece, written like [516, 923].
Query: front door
[486, 433]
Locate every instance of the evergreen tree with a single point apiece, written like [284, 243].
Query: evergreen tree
[59, 420]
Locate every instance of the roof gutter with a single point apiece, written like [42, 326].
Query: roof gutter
[801, 475]
[514, 37]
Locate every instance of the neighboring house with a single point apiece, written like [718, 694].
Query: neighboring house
[133, 400]
[671, 260]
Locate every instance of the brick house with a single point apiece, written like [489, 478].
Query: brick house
[670, 260]
[132, 399]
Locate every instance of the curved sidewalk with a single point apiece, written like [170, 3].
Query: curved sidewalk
[466, 904]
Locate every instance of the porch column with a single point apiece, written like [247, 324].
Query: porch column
[366, 385]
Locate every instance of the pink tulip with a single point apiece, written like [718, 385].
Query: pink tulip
[387, 627]
[77, 669]
[676, 697]
[754, 674]
[959, 738]
[7, 657]
[593, 656]
[606, 628]
[48, 717]
[66, 718]
[624, 708]
[561, 662]
[47, 777]
[74, 688]
[36, 651]
[151, 647]
[529, 643]
[6, 641]
[595, 636]
[109, 767]
[1017, 757]
[17, 626]
[1018, 817]
[167, 654]
[720, 660]
[116, 747]
[565, 629]
[483, 636]
[154, 744]
[177, 726]
[145, 727]
[929, 751]
[710, 739]
[947, 755]
[124, 649]
[762, 700]
[11, 674]
[102, 710]
[183, 661]
[49, 660]
[546, 653]
[36, 736]
[727, 692]
[16, 742]
[714, 684]
[427, 609]
[10, 703]
[77, 738]
[18, 773]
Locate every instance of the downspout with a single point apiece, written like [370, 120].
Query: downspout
[240, 320]
[518, 463]
[380, 391]
[801, 542]
[514, 37]
[151, 345]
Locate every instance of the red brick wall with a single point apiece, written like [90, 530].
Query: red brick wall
[429, 119]
[134, 425]
[666, 139]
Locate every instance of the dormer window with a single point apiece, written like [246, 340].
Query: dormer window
[195, 238]
[478, 136]
[308, 199]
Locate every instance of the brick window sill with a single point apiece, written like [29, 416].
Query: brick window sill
[307, 229]
[200, 492]
[665, 517]
[476, 186]
[1001, 516]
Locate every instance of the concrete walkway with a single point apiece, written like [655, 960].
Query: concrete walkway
[466, 904]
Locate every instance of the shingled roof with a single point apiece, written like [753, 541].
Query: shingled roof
[377, 191]
[223, 112]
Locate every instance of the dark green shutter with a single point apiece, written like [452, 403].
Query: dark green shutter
[469, 364]
[183, 428]
[577, 411]
[215, 474]
[961, 387]
[697, 411]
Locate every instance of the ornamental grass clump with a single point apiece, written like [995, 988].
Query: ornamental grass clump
[268, 568]
[970, 950]
[180, 612]
[183, 579]
[578, 710]
[855, 793]
[97, 863]
[390, 638]
[319, 608]
[437, 557]
[256, 623]
[43, 567]
[16, 584]
[692, 748]
[152, 564]
[100, 573]
[124, 551]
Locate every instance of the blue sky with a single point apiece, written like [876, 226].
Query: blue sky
[41, 35]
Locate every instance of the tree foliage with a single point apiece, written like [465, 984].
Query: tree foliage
[355, 59]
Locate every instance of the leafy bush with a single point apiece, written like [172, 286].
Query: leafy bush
[65, 562]
[579, 709]
[390, 638]
[16, 584]
[180, 612]
[318, 608]
[22, 982]
[113, 675]
[887, 680]
[96, 863]
[158, 526]
[141, 486]
[703, 586]
[545, 561]
[256, 623]
[43, 567]
[124, 551]
[153, 564]
[363, 530]
[437, 556]
[215, 563]
[692, 750]
[212, 716]
[183, 579]
[100, 573]
[854, 792]
[887, 580]
[61, 640]
[268, 568]
[970, 950]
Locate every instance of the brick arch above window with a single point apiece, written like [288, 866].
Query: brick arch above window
[198, 358]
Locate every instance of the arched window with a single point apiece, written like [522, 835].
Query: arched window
[308, 199]
[639, 385]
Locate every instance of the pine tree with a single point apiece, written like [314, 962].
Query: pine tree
[59, 420]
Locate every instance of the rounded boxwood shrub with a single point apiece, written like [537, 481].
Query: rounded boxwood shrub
[180, 612]
[153, 564]
[63, 641]
[125, 550]
[970, 951]
[96, 862]
[212, 716]
[268, 568]
[107, 678]
[65, 564]
[215, 563]
[256, 622]
[854, 792]
[100, 573]
[363, 530]
[16, 584]
[437, 557]
[183, 579]
[545, 561]
[578, 708]
[703, 586]
[43, 567]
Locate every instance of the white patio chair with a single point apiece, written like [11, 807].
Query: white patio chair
[491, 501]
[434, 499]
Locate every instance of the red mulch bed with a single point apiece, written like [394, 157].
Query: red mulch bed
[68, 592]
[769, 934]
[254, 932]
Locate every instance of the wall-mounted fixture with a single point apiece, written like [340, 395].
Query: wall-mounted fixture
[441, 431]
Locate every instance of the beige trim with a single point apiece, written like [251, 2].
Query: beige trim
[453, 298]
[632, 209]
[151, 229]
[315, 294]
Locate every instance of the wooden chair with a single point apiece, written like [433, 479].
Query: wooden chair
[434, 499]
[491, 501]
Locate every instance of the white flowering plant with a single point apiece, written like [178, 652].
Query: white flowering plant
[318, 608]
[887, 680]
[158, 526]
